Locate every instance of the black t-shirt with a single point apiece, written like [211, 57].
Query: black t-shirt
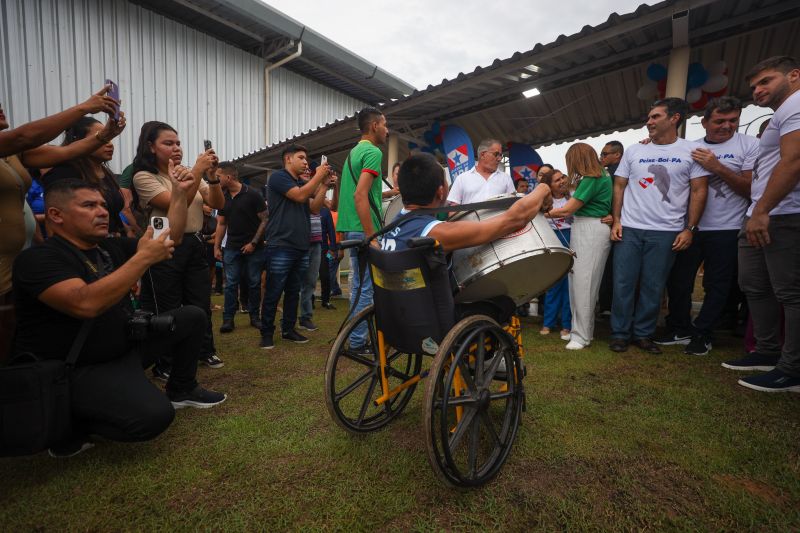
[111, 194]
[48, 333]
[241, 217]
[288, 224]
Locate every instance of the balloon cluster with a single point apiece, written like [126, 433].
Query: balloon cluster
[701, 83]
[433, 139]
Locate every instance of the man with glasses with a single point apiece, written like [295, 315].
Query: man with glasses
[484, 180]
[611, 155]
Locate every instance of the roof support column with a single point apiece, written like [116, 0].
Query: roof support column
[392, 155]
[678, 69]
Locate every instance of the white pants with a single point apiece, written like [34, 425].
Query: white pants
[591, 241]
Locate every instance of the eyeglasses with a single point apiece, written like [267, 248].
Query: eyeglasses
[494, 154]
[603, 154]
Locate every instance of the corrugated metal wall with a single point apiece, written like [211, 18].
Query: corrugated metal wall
[55, 53]
[298, 104]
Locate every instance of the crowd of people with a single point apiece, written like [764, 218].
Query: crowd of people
[641, 221]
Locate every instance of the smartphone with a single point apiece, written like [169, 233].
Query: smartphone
[323, 159]
[114, 93]
[206, 145]
[160, 224]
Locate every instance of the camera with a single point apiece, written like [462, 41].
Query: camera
[142, 324]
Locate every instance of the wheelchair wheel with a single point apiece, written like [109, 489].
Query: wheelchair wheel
[472, 406]
[353, 380]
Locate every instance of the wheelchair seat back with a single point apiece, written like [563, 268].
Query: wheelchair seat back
[413, 299]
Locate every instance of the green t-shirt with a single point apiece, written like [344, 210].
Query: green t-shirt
[364, 157]
[595, 193]
[125, 179]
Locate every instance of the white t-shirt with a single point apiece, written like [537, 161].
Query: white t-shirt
[724, 208]
[560, 223]
[471, 187]
[785, 120]
[657, 194]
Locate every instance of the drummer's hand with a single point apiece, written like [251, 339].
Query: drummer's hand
[616, 231]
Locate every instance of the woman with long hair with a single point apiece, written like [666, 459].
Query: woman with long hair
[590, 238]
[182, 280]
[93, 168]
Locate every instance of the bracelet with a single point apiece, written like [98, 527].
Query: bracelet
[97, 136]
[215, 182]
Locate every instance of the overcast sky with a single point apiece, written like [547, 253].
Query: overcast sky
[423, 41]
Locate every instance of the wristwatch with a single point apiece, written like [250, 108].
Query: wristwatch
[693, 229]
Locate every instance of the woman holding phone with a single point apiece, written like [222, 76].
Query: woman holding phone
[183, 279]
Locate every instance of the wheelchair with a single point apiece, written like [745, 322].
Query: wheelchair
[474, 394]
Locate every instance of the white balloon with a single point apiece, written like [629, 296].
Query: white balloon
[694, 95]
[717, 68]
[715, 83]
[648, 91]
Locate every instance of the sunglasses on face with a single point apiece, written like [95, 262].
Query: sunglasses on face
[495, 154]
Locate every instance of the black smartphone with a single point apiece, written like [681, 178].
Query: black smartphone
[114, 93]
[206, 145]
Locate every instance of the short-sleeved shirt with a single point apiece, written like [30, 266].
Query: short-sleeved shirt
[596, 194]
[785, 120]
[49, 333]
[149, 185]
[470, 186]
[14, 184]
[657, 194]
[241, 217]
[724, 208]
[288, 224]
[418, 226]
[561, 222]
[364, 157]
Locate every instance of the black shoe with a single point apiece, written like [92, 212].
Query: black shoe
[618, 345]
[266, 343]
[70, 449]
[363, 351]
[773, 381]
[293, 336]
[647, 345]
[227, 326]
[308, 325]
[255, 322]
[328, 305]
[753, 361]
[199, 397]
[672, 337]
[161, 371]
[699, 345]
[212, 361]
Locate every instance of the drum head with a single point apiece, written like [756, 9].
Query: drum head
[391, 209]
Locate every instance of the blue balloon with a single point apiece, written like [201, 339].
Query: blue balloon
[656, 71]
[411, 145]
[429, 137]
[436, 128]
[697, 76]
[427, 149]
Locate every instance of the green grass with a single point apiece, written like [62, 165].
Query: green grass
[609, 442]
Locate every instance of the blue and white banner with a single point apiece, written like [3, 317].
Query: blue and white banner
[458, 147]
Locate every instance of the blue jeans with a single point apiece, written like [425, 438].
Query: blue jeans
[644, 257]
[556, 299]
[310, 281]
[359, 336]
[286, 268]
[240, 268]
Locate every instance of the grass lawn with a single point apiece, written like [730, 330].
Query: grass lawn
[609, 442]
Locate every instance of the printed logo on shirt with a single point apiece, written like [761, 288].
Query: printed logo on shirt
[716, 183]
[662, 179]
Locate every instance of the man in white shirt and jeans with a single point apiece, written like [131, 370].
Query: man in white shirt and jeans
[653, 186]
[769, 246]
[484, 180]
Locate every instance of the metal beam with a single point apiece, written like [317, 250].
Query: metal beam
[341, 76]
[216, 18]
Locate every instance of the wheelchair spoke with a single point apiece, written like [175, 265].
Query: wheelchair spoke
[494, 365]
[353, 386]
[392, 372]
[480, 357]
[501, 395]
[462, 427]
[367, 400]
[474, 442]
[357, 358]
[460, 401]
[467, 377]
[488, 423]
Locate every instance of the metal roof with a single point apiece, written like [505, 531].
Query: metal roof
[266, 32]
[587, 81]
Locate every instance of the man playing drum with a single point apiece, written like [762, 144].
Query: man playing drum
[422, 184]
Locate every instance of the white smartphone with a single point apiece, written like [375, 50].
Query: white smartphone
[323, 159]
[159, 225]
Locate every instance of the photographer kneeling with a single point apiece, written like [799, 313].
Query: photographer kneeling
[79, 275]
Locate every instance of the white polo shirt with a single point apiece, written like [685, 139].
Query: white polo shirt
[471, 187]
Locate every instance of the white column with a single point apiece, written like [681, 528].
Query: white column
[392, 155]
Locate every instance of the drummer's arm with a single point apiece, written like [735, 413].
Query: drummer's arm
[572, 205]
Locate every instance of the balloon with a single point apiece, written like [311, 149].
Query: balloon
[697, 76]
[694, 95]
[438, 140]
[429, 137]
[648, 91]
[411, 145]
[701, 103]
[662, 86]
[720, 67]
[436, 128]
[657, 72]
[427, 149]
[716, 83]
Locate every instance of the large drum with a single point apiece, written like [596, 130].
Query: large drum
[520, 265]
[391, 208]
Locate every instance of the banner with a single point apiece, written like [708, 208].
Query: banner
[524, 163]
[458, 148]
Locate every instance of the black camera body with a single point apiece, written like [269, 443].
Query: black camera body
[143, 324]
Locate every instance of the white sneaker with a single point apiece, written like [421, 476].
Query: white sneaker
[565, 337]
[574, 345]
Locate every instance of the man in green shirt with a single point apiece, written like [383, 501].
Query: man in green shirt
[360, 204]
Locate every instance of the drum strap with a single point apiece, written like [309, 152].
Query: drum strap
[372, 206]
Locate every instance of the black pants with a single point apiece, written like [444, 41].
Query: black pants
[182, 280]
[718, 251]
[325, 277]
[116, 400]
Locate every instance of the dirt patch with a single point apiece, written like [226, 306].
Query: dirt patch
[760, 490]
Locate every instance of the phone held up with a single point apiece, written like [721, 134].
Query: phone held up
[207, 145]
[160, 224]
[114, 93]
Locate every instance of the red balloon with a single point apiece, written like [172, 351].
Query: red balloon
[438, 139]
[717, 93]
[701, 103]
[662, 86]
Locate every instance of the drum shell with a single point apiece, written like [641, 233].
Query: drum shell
[391, 208]
[521, 265]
